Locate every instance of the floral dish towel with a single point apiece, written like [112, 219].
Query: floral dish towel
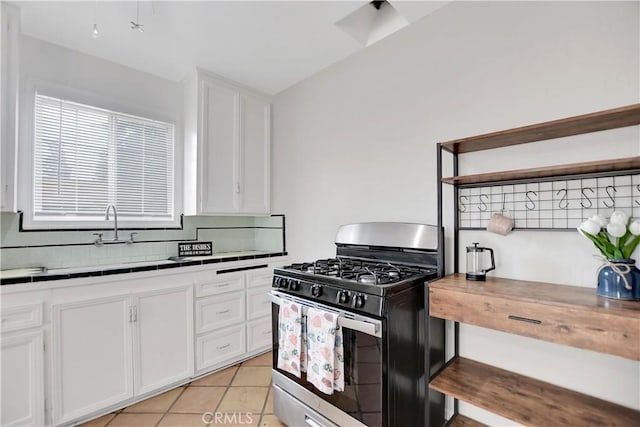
[325, 360]
[289, 337]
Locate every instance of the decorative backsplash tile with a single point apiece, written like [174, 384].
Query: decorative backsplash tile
[61, 249]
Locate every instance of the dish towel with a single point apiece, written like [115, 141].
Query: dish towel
[289, 337]
[325, 355]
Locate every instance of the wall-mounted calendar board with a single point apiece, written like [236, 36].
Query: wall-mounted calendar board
[558, 205]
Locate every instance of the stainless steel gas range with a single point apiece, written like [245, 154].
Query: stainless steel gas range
[376, 286]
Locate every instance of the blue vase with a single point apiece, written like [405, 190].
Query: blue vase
[611, 283]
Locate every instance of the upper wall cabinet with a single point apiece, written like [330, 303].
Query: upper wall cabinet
[9, 39]
[227, 148]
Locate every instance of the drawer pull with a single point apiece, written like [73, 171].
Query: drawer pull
[525, 319]
[223, 285]
[223, 346]
[266, 333]
[223, 311]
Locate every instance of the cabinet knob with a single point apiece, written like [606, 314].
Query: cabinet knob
[237, 188]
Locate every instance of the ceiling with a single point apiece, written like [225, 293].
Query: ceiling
[266, 45]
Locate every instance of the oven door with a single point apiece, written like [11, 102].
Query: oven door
[364, 391]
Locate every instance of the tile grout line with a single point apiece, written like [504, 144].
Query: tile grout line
[173, 403]
[228, 387]
[264, 405]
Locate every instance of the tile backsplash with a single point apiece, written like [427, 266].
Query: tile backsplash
[62, 249]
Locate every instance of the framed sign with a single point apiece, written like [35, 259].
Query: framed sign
[195, 249]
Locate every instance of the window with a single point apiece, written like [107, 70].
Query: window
[86, 158]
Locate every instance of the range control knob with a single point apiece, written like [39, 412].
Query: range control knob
[316, 290]
[284, 283]
[359, 301]
[294, 285]
[276, 282]
[343, 297]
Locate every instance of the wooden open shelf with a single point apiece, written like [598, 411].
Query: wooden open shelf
[615, 165]
[568, 315]
[526, 400]
[593, 122]
[462, 421]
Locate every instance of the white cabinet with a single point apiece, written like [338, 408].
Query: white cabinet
[92, 349]
[9, 39]
[107, 350]
[259, 309]
[254, 159]
[227, 148]
[218, 311]
[163, 326]
[216, 348]
[259, 334]
[258, 302]
[233, 315]
[22, 379]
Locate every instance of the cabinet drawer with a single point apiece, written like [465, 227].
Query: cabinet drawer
[220, 346]
[258, 334]
[21, 317]
[572, 325]
[258, 302]
[212, 283]
[218, 311]
[259, 277]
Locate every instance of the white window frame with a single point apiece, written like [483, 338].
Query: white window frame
[26, 159]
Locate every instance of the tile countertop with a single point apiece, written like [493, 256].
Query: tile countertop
[26, 275]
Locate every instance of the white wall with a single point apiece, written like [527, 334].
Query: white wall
[356, 142]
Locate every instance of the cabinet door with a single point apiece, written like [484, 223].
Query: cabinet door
[163, 323]
[218, 150]
[9, 58]
[255, 155]
[22, 379]
[92, 350]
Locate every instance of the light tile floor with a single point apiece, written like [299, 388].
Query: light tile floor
[241, 392]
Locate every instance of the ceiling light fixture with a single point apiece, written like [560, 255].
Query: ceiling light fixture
[137, 25]
[95, 33]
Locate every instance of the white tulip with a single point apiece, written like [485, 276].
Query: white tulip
[600, 220]
[616, 229]
[634, 227]
[590, 226]
[619, 217]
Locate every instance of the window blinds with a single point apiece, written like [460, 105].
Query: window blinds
[86, 158]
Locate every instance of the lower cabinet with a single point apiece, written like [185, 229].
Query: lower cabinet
[92, 348]
[110, 349]
[164, 338]
[259, 315]
[215, 348]
[22, 379]
[258, 334]
[112, 343]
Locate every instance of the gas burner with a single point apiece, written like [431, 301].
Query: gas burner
[369, 279]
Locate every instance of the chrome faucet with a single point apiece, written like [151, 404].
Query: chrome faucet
[115, 221]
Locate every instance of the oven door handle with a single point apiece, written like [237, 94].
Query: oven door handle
[354, 322]
[311, 422]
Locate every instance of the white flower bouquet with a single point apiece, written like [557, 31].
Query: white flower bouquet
[615, 238]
